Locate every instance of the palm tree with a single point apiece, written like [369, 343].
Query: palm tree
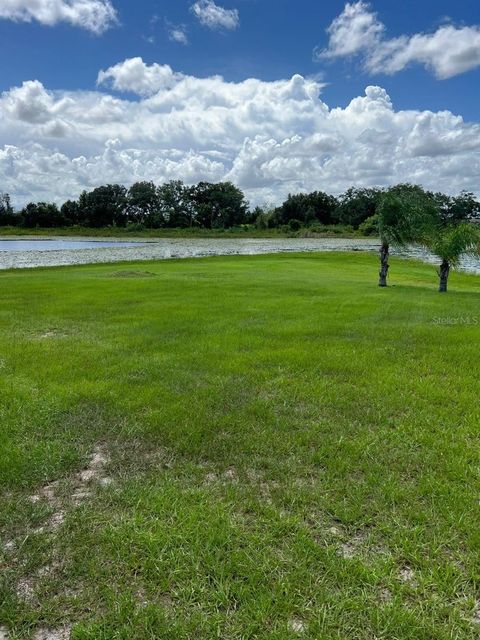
[449, 243]
[406, 214]
[389, 213]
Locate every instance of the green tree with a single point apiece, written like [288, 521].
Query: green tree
[307, 208]
[42, 214]
[175, 206]
[219, 205]
[143, 203]
[70, 210]
[450, 242]
[263, 217]
[5, 204]
[8, 217]
[406, 214]
[462, 208]
[104, 206]
[357, 205]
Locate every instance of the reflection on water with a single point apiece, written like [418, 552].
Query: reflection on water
[71, 251]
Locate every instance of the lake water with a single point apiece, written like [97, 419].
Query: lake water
[23, 253]
[59, 245]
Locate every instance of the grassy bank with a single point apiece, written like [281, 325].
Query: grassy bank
[263, 447]
[119, 232]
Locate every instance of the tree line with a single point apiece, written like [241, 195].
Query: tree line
[223, 206]
[143, 205]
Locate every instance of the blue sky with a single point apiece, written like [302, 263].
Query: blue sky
[424, 54]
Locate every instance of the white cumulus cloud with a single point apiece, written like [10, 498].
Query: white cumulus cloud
[269, 137]
[135, 76]
[94, 15]
[215, 17]
[355, 29]
[447, 52]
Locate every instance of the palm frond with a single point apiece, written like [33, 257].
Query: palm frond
[453, 241]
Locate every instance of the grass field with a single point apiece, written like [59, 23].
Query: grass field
[263, 447]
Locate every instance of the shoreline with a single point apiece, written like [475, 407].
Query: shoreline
[157, 249]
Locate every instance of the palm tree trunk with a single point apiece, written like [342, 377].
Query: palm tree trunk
[384, 266]
[443, 275]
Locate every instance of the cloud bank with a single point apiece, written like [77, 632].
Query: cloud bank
[447, 52]
[94, 15]
[270, 138]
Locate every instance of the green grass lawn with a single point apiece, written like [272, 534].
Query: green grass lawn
[264, 447]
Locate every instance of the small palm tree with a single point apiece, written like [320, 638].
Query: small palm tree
[389, 216]
[406, 214]
[449, 243]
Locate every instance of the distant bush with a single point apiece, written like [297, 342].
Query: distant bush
[135, 226]
[242, 228]
[330, 229]
[370, 226]
[294, 225]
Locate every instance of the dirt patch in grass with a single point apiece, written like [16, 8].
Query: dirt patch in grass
[50, 334]
[407, 576]
[53, 634]
[9, 546]
[227, 477]
[476, 613]
[80, 483]
[352, 547]
[385, 596]
[61, 496]
[64, 633]
[359, 545]
[296, 625]
[134, 459]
